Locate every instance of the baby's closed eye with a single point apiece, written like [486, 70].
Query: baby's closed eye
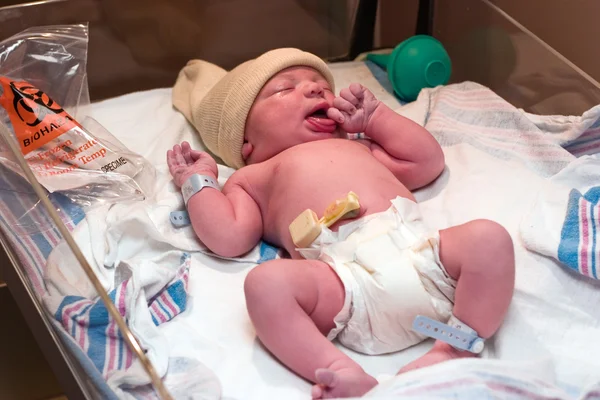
[278, 89]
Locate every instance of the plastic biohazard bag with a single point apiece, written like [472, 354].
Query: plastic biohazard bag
[43, 99]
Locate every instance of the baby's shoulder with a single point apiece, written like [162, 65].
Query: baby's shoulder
[248, 175]
[252, 179]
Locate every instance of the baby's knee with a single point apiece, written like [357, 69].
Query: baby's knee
[264, 282]
[258, 280]
[493, 241]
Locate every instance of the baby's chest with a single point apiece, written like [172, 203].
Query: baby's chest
[324, 161]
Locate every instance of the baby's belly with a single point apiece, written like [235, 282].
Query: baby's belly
[314, 175]
[372, 198]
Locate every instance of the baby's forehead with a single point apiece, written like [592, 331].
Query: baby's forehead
[299, 72]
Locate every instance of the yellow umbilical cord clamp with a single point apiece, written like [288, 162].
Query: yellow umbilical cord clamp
[305, 228]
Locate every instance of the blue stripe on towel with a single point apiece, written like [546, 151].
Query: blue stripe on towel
[576, 249]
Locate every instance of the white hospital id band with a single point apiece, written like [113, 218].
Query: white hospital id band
[356, 136]
[196, 183]
[455, 333]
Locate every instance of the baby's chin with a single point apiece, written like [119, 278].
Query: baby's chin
[316, 136]
[338, 133]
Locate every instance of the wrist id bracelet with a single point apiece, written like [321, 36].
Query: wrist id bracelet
[356, 136]
[192, 185]
[195, 184]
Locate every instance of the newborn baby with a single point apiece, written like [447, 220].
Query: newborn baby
[364, 279]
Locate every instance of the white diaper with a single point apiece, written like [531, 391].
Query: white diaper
[391, 272]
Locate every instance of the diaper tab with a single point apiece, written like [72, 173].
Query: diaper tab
[309, 253]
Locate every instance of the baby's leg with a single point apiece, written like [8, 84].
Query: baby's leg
[480, 256]
[292, 304]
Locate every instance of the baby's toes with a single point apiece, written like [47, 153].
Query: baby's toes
[316, 392]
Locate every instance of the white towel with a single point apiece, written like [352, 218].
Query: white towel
[564, 222]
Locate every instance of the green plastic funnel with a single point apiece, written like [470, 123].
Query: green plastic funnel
[418, 62]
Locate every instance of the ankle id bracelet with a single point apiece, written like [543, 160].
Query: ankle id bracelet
[455, 333]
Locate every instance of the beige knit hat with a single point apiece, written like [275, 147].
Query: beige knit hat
[217, 102]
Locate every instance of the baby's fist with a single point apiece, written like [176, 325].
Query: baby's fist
[353, 109]
[184, 162]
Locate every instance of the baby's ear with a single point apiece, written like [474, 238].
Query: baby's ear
[247, 149]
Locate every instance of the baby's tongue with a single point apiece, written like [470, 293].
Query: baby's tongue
[322, 123]
[321, 118]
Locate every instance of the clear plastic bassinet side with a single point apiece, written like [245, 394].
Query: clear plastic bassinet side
[74, 300]
[45, 193]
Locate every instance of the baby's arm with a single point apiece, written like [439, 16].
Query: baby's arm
[405, 147]
[229, 223]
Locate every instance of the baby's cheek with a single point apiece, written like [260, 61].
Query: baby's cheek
[329, 96]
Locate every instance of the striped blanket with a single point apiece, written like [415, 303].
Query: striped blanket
[29, 228]
[579, 243]
[88, 322]
[479, 379]
[473, 114]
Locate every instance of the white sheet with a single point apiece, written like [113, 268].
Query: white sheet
[216, 330]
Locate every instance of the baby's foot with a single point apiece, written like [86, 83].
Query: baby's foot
[343, 382]
[439, 353]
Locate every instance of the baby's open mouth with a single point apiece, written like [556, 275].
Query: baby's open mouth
[320, 113]
[320, 122]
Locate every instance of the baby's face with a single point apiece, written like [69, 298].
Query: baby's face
[289, 110]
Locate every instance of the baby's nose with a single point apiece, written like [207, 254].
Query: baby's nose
[313, 89]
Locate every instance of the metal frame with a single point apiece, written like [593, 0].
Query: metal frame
[363, 32]
[425, 17]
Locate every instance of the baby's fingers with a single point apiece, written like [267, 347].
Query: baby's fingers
[346, 94]
[344, 105]
[358, 90]
[173, 163]
[170, 159]
[174, 157]
[179, 159]
[185, 150]
[336, 115]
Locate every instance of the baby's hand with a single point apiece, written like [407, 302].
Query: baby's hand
[353, 109]
[184, 162]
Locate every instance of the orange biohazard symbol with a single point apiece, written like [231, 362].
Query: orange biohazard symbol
[35, 117]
